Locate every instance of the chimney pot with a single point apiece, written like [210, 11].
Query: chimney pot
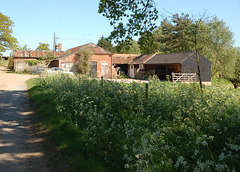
[59, 47]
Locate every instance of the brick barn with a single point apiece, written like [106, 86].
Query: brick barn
[21, 56]
[101, 61]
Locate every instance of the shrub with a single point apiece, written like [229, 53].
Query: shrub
[10, 63]
[84, 60]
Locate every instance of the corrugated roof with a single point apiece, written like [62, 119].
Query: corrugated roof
[35, 53]
[140, 59]
[95, 49]
[123, 58]
[171, 58]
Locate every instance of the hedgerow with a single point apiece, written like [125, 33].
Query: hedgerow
[173, 129]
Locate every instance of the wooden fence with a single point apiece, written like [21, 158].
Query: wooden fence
[184, 77]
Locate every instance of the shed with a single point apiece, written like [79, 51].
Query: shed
[120, 62]
[166, 64]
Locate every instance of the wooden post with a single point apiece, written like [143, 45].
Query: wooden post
[111, 66]
[102, 81]
[147, 91]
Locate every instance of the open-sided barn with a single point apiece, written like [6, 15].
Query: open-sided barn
[167, 64]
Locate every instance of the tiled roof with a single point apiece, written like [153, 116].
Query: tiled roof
[123, 58]
[141, 59]
[95, 49]
[171, 58]
[36, 54]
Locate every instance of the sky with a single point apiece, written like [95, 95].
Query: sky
[77, 22]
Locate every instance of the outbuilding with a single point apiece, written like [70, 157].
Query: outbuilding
[101, 61]
[178, 65]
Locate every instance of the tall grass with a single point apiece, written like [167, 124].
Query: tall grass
[114, 127]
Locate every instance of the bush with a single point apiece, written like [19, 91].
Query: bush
[10, 63]
[142, 74]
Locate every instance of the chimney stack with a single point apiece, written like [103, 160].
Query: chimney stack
[59, 47]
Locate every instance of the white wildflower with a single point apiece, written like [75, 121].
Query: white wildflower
[180, 161]
[221, 156]
[204, 143]
[126, 165]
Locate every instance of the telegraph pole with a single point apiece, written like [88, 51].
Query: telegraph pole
[54, 43]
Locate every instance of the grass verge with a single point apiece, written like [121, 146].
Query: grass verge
[64, 136]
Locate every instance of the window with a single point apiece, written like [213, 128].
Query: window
[104, 68]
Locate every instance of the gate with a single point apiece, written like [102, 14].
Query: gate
[184, 77]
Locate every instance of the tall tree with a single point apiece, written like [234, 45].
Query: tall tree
[106, 44]
[43, 46]
[7, 41]
[139, 17]
[150, 42]
[176, 34]
[231, 70]
[219, 42]
[129, 48]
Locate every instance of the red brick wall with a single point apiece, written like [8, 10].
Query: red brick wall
[20, 64]
[102, 58]
[95, 57]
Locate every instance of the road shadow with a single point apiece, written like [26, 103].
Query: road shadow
[21, 144]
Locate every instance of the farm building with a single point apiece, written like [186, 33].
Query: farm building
[21, 56]
[120, 62]
[168, 64]
[101, 61]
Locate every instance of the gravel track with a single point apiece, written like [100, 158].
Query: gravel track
[21, 149]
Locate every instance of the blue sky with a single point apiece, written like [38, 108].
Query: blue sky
[77, 22]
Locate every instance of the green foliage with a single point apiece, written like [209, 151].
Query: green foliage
[10, 63]
[49, 57]
[43, 46]
[113, 125]
[24, 48]
[122, 75]
[84, 60]
[125, 47]
[33, 62]
[106, 44]
[150, 42]
[7, 41]
[232, 70]
[176, 34]
[43, 61]
[139, 14]
[219, 47]
[131, 47]
[3, 62]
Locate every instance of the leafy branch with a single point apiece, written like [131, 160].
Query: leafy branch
[129, 17]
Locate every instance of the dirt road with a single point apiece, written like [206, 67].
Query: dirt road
[20, 149]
